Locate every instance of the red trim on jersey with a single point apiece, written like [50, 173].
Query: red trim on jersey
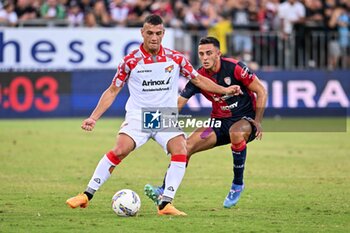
[243, 75]
[229, 59]
[239, 146]
[179, 158]
[180, 59]
[113, 158]
[147, 54]
[130, 61]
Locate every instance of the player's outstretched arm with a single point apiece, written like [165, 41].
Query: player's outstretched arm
[208, 85]
[261, 97]
[106, 100]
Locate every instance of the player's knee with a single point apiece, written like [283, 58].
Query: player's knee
[178, 149]
[236, 136]
[189, 147]
[120, 152]
[177, 146]
[182, 150]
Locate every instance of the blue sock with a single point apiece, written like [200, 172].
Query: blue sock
[239, 153]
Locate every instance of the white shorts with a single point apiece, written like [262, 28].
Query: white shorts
[132, 126]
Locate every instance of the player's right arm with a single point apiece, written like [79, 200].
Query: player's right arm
[106, 100]
[109, 95]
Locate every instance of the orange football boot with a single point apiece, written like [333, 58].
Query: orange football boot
[79, 200]
[169, 209]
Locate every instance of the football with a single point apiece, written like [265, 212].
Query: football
[126, 203]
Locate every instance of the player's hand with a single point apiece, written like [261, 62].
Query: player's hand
[88, 124]
[234, 90]
[259, 130]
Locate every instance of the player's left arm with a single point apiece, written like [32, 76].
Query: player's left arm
[261, 97]
[208, 85]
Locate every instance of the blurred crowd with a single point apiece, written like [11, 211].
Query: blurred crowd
[217, 17]
[187, 14]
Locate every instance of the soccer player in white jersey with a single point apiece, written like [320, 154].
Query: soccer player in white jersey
[151, 73]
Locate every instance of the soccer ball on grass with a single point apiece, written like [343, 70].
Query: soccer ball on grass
[126, 203]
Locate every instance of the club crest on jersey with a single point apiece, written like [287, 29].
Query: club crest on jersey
[227, 80]
[169, 69]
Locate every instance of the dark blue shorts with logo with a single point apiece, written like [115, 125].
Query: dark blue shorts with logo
[223, 133]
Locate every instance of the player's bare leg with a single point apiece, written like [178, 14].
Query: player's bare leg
[124, 145]
[201, 139]
[239, 134]
[176, 171]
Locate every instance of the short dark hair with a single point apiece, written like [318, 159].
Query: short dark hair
[154, 19]
[209, 40]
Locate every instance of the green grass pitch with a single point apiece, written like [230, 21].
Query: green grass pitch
[295, 182]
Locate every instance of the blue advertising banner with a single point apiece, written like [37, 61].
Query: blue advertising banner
[69, 94]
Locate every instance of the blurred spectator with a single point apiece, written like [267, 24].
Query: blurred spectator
[138, 13]
[119, 12]
[214, 9]
[292, 16]
[25, 10]
[196, 18]
[164, 9]
[219, 23]
[266, 15]
[220, 30]
[52, 9]
[179, 10]
[75, 15]
[343, 23]
[339, 49]
[8, 15]
[291, 13]
[86, 5]
[314, 13]
[266, 42]
[314, 20]
[328, 8]
[65, 3]
[100, 14]
[272, 6]
[243, 15]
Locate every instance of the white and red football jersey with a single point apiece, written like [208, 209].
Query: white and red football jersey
[152, 79]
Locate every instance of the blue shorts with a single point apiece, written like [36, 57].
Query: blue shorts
[223, 133]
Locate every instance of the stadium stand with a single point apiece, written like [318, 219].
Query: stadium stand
[269, 34]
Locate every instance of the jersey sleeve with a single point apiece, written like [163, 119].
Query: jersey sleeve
[124, 68]
[122, 74]
[189, 90]
[243, 74]
[187, 69]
